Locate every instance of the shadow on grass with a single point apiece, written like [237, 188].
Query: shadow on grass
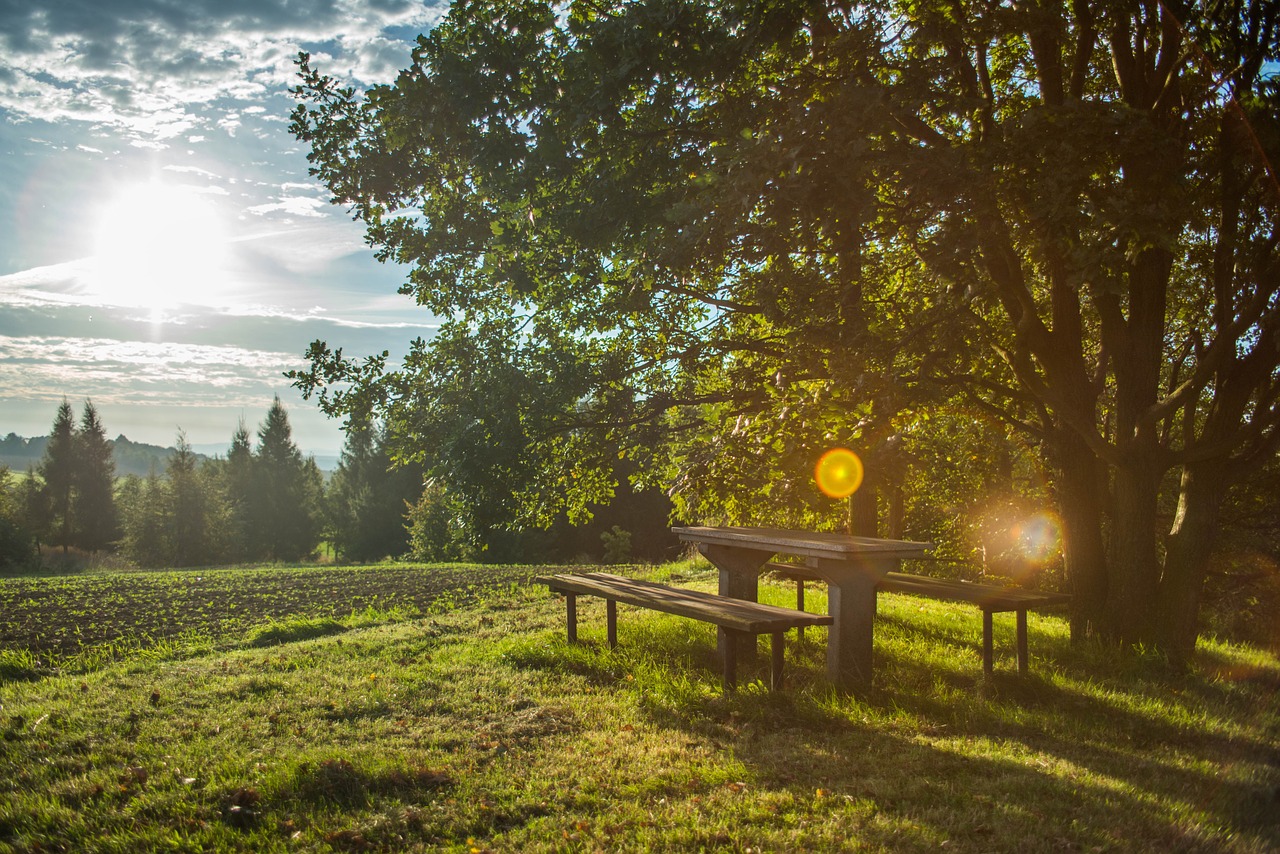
[20, 666]
[331, 782]
[338, 781]
[1118, 739]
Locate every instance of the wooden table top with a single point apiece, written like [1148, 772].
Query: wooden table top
[802, 543]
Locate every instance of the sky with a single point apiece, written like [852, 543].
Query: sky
[163, 251]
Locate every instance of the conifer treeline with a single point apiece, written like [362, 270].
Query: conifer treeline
[267, 503]
[74, 504]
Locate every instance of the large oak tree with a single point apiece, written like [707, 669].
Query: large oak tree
[741, 230]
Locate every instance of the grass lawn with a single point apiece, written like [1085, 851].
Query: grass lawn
[440, 708]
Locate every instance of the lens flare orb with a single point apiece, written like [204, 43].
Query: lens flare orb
[1038, 538]
[838, 473]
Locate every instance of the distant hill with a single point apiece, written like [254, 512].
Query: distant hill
[131, 457]
[326, 461]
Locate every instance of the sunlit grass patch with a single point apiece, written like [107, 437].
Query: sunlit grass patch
[295, 629]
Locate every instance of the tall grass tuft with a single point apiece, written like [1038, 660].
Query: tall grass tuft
[294, 629]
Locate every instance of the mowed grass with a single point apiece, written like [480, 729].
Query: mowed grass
[467, 723]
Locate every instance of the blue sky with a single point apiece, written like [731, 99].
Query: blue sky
[163, 251]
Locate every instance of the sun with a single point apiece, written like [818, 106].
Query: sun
[158, 246]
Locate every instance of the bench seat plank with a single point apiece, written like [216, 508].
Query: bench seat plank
[734, 616]
[739, 615]
[986, 596]
[990, 598]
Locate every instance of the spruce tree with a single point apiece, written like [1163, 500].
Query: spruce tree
[94, 477]
[285, 494]
[240, 534]
[145, 517]
[369, 498]
[187, 507]
[347, 490]
[58, 469]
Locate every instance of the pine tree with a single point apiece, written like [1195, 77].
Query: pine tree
[94, 477]
[187, 506]
[347, 489]
[285, 496]
[368, 498]
[145, 523]
[238, 483]
[58, 470]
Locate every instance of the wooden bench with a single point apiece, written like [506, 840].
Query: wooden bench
[990, 598]
[734, 616]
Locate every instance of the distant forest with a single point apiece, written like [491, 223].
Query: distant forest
[137, 458]
[75, 494]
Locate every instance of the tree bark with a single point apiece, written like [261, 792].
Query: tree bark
[1188, 548]
[1081, 490]
[1135, 559]
[864, 516]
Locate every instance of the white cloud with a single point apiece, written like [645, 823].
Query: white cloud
[137, 371]
[147, 70]
[193, 170]
[293, 206]
[53, 284]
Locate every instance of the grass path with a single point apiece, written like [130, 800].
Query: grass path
[477, 728]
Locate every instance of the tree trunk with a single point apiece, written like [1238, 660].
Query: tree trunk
[1134, 558]
[1190, 543]
[1081, 498]
[864, 516]
[897, 512]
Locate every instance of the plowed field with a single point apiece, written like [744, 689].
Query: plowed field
[63, 615]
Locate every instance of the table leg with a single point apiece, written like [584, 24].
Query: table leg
[799, 607]
[988, 654]
[775, 672]
[852, 606]
[571, 616]
[1024, 657]
[739, 579]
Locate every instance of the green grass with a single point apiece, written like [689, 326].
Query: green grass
[471, 725]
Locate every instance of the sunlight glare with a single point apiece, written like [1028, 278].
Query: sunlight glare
[159, 246]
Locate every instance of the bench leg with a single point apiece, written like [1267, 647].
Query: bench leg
[729, 656]
[611, 621]
[800, 607]
[571, 616]
[987, 657]
[775, 675]
[1024, 659]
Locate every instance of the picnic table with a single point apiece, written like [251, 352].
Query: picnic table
[851, 566]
